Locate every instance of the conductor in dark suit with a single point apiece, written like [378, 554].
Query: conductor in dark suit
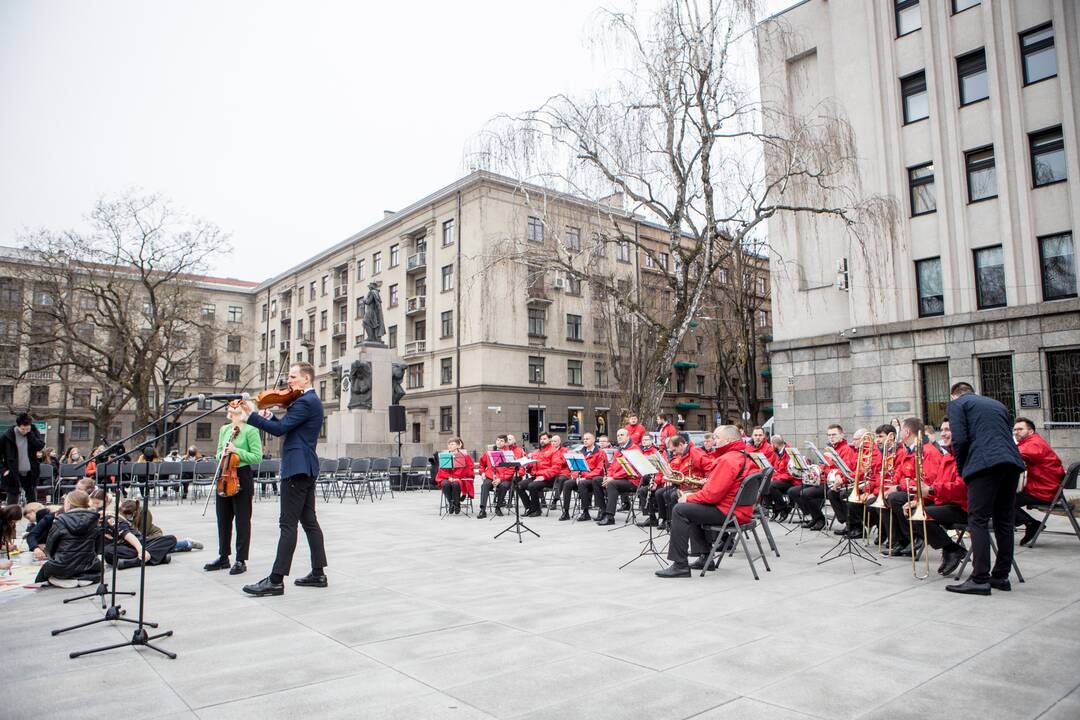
[299, 470]
[987, 459]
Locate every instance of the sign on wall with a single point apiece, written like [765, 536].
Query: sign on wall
[1030, 400]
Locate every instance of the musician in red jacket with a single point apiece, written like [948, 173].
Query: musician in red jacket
[1044, 474]
[688, 461]
[540, 477]
[635, 429]
[709, 505]
[619, 479]
[809, 496]
[904, 473]
[949, 497]
[759, 442]
[581, 481]
[665, 428]
[496, 477]
[457, 480]
[593, 495]
[782, 479]
[557, 470]
[647, 501]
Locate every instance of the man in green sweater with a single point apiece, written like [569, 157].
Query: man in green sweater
[236, 508]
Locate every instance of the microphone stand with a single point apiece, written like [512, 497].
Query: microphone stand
[140, 637]
[517, 526]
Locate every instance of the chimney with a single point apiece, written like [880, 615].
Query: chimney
[615, 200]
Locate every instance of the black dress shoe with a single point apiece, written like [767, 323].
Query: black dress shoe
[674, 571]
[553, 504]
[663, 525]
[950, 560]
[842, 530]
[1001, 584]
[647, 522]
[1029, 533]
[607, 520]
[901, 551]
[584, 516]
[699, 564]
[265, 588]
[565, 516]
[311, 580]
[819, 525]
[533, 513]
[970, 587]
[481, 515]
[806, 523]
[222, 563]
[498, 511]
[238, 568]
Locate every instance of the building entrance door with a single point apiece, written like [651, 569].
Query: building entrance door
[536, 424]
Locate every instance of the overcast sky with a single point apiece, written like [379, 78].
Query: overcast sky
[290, 124]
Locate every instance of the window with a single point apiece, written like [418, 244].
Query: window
[921, 187]
[1040, 58]
[232, 373]
[573, 284]
[622, 251]
[392, 296]
[908, 17]
[414, 378]
[663, 260]
[601, 328]
[762, 318]
[573, 372]
[534, 230]
[700, 384]
[324, 317]
[264, 312]
[536, 322]
[721, 276]
[971, 74]
[598, 245]
[236, 314]
[961, 5]
[376, 263]
[996, 381]
[311, 291]
[80, 430]
[322, 284]
[391, 336]
[7, 394]
[232, 343]
[446, 419]
[359, 270]
[10, 292]
[573, 328]
[1063, 369]
[649, 260]
[207, 311]
[203, 430]
[760, 285]
[928, 282]
[447, 234]
[80, 397]
[981, 174]
[934, 384]
[39, 395]
[420, 330]
[322, 355]
[915, 100]
[447, 278]
[601, 374]
[1057, 259]
[322, 390]
[536, 369]
[446, 323]
[573, 239]
[990, 277]
[1047, 156]
[446, 371]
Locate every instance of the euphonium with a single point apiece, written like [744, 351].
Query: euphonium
[918, 514]
[862, 468]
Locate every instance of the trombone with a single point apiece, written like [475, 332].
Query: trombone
[862, 467]
[918, 514]
[888, 461]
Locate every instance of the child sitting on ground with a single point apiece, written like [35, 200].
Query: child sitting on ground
[72, 545]
[41, 520]
[131, 510]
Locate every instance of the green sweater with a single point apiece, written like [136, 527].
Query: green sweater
[247, 443]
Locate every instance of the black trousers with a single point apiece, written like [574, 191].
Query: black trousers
[778, 490]
[688, 534]
[90, 570]
[646, 500]
[839, 502]
[158, 548]
[614, 488]
[666, 499]
[557, 485]
[599, 494]
[298, 505]
[500, 492]
[809, 499]
[588, 488]
[896, 501]
[569, 486]
[944, 517]
[992, 498]
[1022, 517]
[12, 486]
[531, 492]
[451, 490]
[236, 509]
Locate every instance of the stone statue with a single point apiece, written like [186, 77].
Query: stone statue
[397, 374]
[360, 385]
[374, 326]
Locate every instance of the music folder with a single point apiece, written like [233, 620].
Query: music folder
[639, 462]
[760, 460]
[576, 462]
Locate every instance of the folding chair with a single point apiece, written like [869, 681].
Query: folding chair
[1061, 503]
[416, 471]
[202, 477]
[962, 529]
[396, 472]
[169, 478]
[267, 475]
[356, 481]
[379, 478]
[762, 515]
[69, 475]
[749, 492]
[46, 475]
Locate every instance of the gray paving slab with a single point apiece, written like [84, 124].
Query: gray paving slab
[428, 618]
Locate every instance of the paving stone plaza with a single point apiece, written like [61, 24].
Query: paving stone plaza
[430, 618]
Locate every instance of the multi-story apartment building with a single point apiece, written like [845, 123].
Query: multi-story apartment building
[965, 114]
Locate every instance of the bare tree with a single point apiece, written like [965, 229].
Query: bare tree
[679, 143]
[116, 305]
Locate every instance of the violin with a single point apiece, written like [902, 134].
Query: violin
[276, 397]
[228, 482]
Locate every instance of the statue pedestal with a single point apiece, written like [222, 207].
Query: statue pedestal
[360, 432]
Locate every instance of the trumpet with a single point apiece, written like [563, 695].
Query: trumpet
[918, 514]
[677, 478]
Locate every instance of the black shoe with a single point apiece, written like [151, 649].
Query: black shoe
[970, 587]
[498, 511]
[674, 571]
[1001, 584]
[783, 515]
[553, 504]
[128, 564]
[584, 516]
[900, 551]
[919, 547]
[662, 526]
[950, 560]
[222, 563]
[265, 588]
[482, 514]
[647, 522]
[842, 530]
[1029, 533]
[819, 525]
[606, 520]
[311, 580]
[806, 523]
[239, 568]
[533, 513]
[699, 564]
[565, 516]
[626, 506]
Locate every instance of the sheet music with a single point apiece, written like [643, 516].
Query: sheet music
[760, 460]
[838, 462]
[640, 462]
[576, 461]
[815, 454]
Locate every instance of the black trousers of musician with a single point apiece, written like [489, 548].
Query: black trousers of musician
[778, 490]
[838, 500]
[236, 509]
[451, 490]
[557, 484]
[1022, 516]
[896, 501]
[587, 489]
[570, 486]
[646, 500]
[531, 493]
[614, 488]
[298, 505]
[599, 494]
[500, 492]
[666, 499]
[688, 533]
[944, 517]
[992, 498]
[809, 499]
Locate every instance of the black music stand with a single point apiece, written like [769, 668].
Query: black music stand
[517, 526]
[648, 544]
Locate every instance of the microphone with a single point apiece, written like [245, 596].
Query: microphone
[188, 399]
[231, 396]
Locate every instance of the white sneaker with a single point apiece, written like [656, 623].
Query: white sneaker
[83, 582]
[63, 582]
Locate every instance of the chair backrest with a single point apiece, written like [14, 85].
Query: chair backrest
[111, 469]
[270, 468]
[360, 465]
[418, 462]
[169, 468]
[380, 464]
[766, 480]
[72, 471]
[45, 472]
[395, 463]
[327, 465]
[187, 466]
[205, 468]
[343, 463]
[1070, 476]
[750, 490]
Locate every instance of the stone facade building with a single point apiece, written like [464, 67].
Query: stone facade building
[965, 114]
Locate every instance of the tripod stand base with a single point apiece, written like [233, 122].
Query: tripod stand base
[139, 638]
[848, 546]
[517, 527]
[113, 614]
[101, 591]
[648, 550]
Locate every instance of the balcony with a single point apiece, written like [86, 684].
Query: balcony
[286, 314]
[307, 339]
[340, 328]
[415, 347]
[341, 292]
[40, 375]
[537, 295]
[416, 262]
[416, 305]
[283, 347]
